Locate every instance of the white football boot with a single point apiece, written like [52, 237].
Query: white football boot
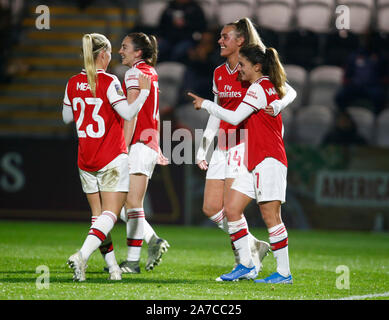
[259, 250]
[115, 273]
[78, 264]
[157, 247]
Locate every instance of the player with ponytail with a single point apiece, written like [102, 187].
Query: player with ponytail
[139, 51]
[265, 170]
[92, 45]
[95, 101]
[271, 66]
[226, 163]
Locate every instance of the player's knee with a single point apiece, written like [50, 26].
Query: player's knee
[270, 216]
[211, 209]
[267, 219]
[231, 212]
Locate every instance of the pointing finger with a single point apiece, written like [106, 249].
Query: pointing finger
[192, 95]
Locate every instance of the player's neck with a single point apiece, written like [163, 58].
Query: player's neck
[232, 62]
[100, 66]
[256, 77]
[136, 62]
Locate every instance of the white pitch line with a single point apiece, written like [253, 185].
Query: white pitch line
[367, 296]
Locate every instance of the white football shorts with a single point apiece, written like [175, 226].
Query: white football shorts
[113, 177]
[226, 164]
[267, 182]
[142, 159]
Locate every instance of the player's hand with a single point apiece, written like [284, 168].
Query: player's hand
[162, 160]
[203, 165]
[197, 101]
[144, 82]
[269, 110]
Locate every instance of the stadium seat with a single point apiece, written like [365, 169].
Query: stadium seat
[170, 76]
[364, 120]
[315, 15]
[297, 77]
[324, 81]
[209, 8]
[361, 12]
[275, 21]
[312, 123]
[231, 10]
[150, 12]
[383, 16]
[275, 15]
[382, 129]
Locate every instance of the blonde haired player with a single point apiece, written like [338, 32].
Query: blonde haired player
[227, 159]
[95, 101]
[139, 51]
[264, 177]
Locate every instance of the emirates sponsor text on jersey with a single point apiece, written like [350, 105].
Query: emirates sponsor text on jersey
[227, 93]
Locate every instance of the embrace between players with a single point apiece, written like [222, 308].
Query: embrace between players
[253, 167]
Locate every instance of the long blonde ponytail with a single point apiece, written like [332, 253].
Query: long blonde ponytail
[246, 29]
[89, 62]
[92, 44]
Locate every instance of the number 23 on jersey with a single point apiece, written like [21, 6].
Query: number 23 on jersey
[88, 116]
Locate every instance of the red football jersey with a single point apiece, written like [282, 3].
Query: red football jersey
[264, 132]
[230, 92]
[146, 129]
[99, 126]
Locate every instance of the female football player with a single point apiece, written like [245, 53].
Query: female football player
[95, 101]
[264, 176]
[227, 160]
[139, 51]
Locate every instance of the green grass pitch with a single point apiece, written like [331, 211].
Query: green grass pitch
[188, 270]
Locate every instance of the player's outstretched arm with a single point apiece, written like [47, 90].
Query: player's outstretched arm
[233, 117]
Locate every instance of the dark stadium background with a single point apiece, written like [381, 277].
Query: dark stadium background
[331, 184]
